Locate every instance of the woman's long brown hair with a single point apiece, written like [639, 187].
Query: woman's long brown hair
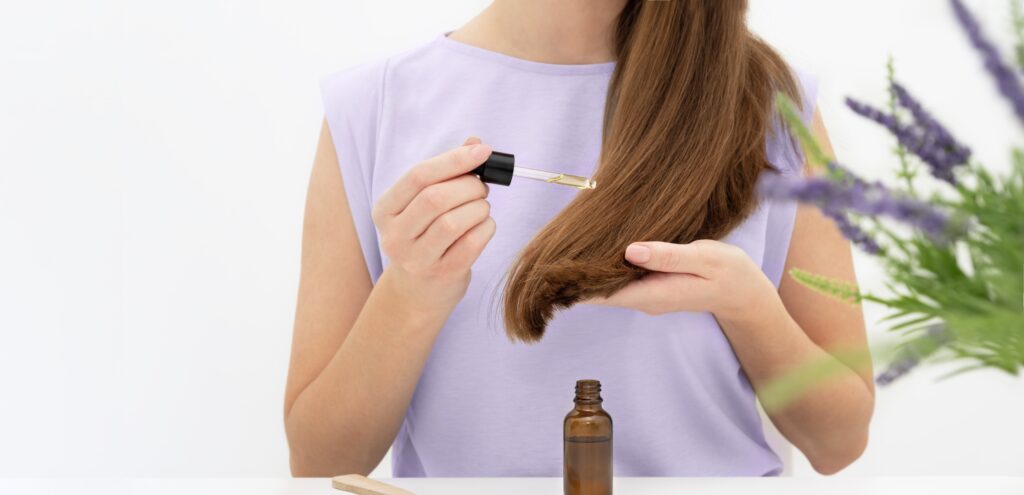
[688, 111]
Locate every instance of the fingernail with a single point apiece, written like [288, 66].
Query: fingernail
[638, 253]
[480, 152]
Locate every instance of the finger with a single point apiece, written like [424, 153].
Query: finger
[471, 141]
[637, 295]
[447, 165]
[670, 257]
[449, 227]
[435, 201]
[465, 251]
[658, 293]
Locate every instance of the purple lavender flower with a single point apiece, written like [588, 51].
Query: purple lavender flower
[958, 154]
[850, 231]
[897, 369]
[852, 195]
[911, 355]
[926, 138]
[855, 234]
[1006, 78]
[844, 175]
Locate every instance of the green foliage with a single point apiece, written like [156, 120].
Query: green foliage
[781, 392]
[839, 289]
[957, 300]
[974, 286]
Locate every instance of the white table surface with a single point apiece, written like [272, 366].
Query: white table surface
[540, 486]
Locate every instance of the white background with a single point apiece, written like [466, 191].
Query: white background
[153, 162]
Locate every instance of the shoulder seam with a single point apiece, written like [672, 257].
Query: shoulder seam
[382, 85]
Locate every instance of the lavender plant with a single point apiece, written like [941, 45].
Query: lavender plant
[954, 260]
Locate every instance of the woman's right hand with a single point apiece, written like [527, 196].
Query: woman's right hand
[434, 222]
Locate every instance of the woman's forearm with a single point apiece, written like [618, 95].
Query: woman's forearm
[828, 422]
[346, 419]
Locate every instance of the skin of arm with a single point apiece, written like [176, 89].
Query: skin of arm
[773, 332]
[358, 349]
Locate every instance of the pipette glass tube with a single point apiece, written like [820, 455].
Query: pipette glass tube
[501, 167]
[555, 178]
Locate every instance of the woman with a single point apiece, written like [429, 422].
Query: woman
[396, 344]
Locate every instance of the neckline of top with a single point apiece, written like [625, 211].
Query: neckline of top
[521, 63]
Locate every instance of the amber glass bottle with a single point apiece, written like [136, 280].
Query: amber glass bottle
[587, 435]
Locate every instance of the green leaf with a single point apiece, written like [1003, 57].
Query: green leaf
[1017, 16]
[791, 385]
[960, 371]
[839, 289]
[791, 116]
[912, 322]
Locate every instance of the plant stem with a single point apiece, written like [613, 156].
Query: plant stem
[907, 171]
[1017, 15]
[815, 155]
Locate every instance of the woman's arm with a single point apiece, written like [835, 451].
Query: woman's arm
[775, 332]
[828, 423]
[358, 349]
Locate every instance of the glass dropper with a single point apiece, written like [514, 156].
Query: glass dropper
[501, 167]
[555, 178]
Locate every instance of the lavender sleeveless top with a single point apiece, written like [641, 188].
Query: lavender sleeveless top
[680, 402]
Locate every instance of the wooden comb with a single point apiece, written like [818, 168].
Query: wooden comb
[361, 485]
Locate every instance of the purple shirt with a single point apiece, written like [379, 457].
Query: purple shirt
[681, 404]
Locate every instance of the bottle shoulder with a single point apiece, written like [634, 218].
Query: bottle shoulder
[587, 423]
[588, 413]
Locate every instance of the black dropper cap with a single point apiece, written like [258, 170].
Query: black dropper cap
[497, 169]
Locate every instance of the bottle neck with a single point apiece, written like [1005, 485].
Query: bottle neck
[588, 395]
[588, 406]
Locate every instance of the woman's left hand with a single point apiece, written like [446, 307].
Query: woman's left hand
[700, 276]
